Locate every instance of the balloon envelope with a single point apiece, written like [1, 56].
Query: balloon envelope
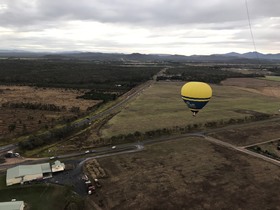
[196, 95]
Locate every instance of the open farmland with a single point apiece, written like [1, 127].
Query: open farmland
[160, 106]
[189, 174]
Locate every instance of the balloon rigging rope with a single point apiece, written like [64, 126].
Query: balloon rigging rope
[253, 40]
[251, 31]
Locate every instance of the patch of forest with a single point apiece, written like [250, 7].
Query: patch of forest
[74, 74]
[209, 74]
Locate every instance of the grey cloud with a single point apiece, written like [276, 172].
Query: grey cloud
[180, 19]
[145, 12]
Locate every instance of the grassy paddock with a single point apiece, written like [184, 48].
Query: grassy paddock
[160, 106]
[273, 78]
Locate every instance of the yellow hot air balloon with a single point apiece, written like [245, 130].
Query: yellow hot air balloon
[196, 95]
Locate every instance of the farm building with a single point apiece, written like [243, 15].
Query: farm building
[25, 173]
[58, 166]
[12, 205]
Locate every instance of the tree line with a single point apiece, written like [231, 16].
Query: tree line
[209, 74]
[74, 74]
[58, 134]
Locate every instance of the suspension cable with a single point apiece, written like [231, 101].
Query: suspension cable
[251, 31]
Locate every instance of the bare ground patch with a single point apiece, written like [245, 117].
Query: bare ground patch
[260, 86]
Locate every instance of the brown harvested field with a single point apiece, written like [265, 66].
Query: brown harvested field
[29, 120]
[189, 174]
[249, 134]
[261, 86]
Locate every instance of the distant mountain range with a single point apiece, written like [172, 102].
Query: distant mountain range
[233, 57]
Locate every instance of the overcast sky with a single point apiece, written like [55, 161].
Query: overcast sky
[184, 27]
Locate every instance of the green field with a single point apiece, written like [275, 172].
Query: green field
[160, 106]
[41, 196]
[273, 78]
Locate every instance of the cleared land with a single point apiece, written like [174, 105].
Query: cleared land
[189, 174]
[18, 121]
[268, 87]
[57, 96]
[160, 106]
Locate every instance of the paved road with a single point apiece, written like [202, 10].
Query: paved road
[4, 149]
[81, 156]
[74, 177]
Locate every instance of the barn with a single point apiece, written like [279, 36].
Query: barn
[26, 173]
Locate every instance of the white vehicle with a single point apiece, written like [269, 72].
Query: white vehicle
[86, 152]
[16, 154]
[114, 147]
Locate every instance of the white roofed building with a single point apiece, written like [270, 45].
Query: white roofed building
[58, 166]
[12, 205]
[25, 173]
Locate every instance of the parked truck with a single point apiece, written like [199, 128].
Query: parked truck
[89, 187]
